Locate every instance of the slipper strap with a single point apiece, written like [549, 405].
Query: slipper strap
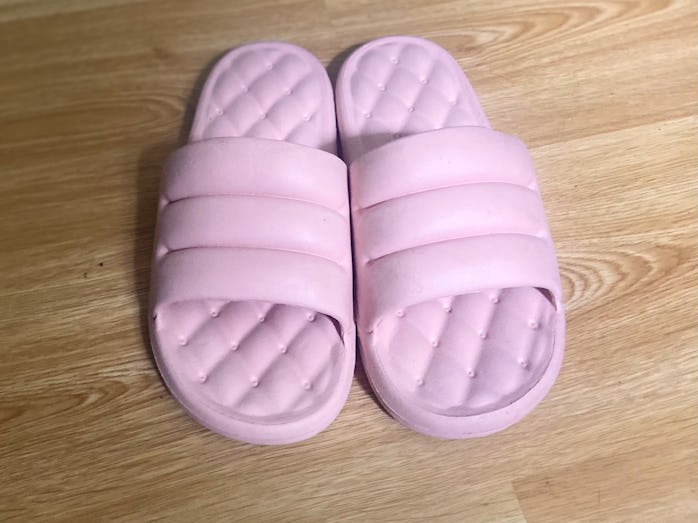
[252, 219]
[445, 213]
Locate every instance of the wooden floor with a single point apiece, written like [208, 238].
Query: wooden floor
[93, 96]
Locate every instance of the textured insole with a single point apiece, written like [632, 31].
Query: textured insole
[252, 359]
[458, 355]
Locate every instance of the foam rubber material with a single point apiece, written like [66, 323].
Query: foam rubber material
[460, 314]
[251, 316]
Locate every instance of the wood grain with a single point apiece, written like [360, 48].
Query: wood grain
[93, 96]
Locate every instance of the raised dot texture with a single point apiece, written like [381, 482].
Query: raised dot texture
[482, 351]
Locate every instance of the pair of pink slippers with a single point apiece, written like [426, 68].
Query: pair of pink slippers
[458, 302]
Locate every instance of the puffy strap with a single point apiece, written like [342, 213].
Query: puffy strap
[255, 274]
[255, 166]
[445, 213]
[437, 159]
[453, 268]
[252, 219]
[256, 222]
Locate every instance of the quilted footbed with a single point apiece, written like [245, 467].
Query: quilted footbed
[459, 355]
[258, 361]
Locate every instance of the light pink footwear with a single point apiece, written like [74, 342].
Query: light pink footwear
[252, 324]
[460, 312]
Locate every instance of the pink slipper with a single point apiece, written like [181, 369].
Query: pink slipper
[252, 323]
[460, 313]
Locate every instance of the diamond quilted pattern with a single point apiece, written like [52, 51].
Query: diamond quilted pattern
[454, 356]
[267, 92]
[245, 354]
[401, 88]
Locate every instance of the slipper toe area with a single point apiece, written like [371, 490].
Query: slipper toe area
[250, 362]
[464, 356]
